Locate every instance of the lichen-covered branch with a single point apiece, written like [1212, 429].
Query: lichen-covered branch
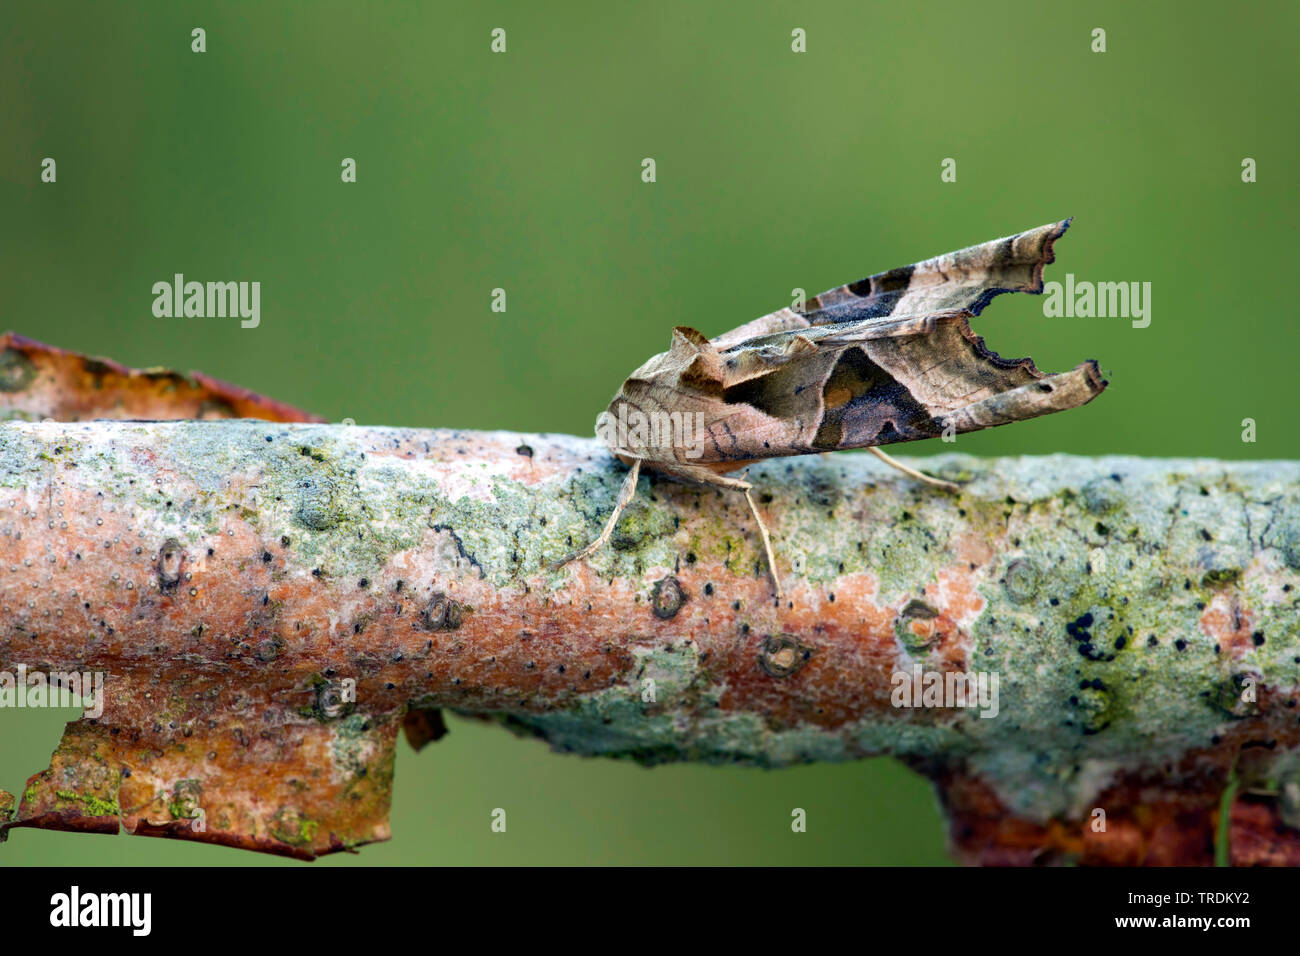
[265, 595]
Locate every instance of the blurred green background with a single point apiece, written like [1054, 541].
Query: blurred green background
[522, 171]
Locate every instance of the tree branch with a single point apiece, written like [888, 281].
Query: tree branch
[237, 579]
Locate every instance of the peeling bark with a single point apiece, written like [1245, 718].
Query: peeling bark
[39, 381]
[236, 580]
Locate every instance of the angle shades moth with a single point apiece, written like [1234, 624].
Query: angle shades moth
[889, 358]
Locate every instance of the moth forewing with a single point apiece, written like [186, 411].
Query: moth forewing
[1051, 393]
[886, 359]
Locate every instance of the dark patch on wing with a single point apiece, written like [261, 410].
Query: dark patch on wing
[865, 405]
[978, 274]
[869, 298]
[771, 394]
[895, 280]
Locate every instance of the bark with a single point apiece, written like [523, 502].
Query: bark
[237, 580]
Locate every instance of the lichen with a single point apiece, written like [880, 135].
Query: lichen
[95, 806]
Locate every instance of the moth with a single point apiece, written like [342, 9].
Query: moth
[889, 358]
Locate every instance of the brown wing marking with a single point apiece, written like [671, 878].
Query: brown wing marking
[967, 279]
[858, 389]
[963, 280]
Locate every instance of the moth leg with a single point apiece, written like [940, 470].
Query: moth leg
[624, 498]
[707, 477]
[912, 472]
[767, 542]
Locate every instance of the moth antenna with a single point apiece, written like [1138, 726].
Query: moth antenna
[912, 472]
[767, 544]
[624, 498]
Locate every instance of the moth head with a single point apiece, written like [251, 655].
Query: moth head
[691, 365]
[660, 412]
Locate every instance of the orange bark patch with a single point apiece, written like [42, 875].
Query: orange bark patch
[41, 381]
[1228, 624]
